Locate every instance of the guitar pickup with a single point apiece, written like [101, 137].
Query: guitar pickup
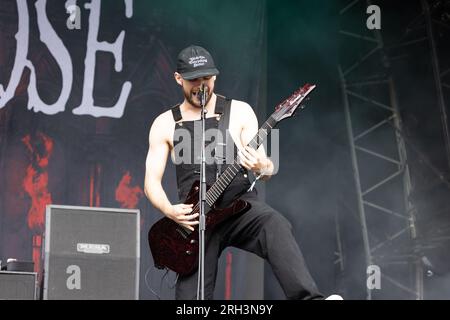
[182, 233]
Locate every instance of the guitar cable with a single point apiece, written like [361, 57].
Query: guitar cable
[148, 285]
[174, 283]
[164, 277]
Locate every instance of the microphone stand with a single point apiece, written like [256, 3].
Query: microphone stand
[202, 201]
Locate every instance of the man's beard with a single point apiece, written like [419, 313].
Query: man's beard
[193, 96]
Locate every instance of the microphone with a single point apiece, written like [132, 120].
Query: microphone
[203, 94]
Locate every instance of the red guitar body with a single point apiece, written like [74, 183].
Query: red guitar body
[175, 247]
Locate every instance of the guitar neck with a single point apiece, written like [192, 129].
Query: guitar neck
[232, 170]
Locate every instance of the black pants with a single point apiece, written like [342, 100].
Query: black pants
[264, 232]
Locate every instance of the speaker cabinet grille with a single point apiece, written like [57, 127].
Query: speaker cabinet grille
[18, 285]
[91, 253]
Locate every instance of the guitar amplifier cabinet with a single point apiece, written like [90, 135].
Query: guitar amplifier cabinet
[91, 253]
[16, 285]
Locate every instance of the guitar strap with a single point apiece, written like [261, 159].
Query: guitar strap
[223, 107]
[176, 113]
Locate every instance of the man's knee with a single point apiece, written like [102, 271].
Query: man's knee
[274, 227]
[276, 221]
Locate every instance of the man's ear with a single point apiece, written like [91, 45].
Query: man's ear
[178, 78]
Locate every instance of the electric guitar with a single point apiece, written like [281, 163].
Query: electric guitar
[177, 248]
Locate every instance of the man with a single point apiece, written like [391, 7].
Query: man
[260, 230]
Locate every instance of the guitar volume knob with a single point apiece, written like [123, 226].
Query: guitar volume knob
[188, 252]
[193, 241]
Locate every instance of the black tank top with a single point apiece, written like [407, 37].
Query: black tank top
[187, 155]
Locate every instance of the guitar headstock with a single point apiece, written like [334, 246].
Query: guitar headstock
[288, 107]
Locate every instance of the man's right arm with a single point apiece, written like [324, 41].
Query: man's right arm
[155, 164]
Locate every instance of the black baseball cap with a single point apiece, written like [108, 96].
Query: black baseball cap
[195, 62]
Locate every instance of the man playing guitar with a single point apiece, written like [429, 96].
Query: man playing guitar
[259, 228]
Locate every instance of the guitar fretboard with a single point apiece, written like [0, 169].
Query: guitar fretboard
[232, 170]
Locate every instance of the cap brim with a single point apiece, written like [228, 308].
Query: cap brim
[200, 73]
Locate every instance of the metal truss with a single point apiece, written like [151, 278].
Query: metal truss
[379, 160]
[441, 77]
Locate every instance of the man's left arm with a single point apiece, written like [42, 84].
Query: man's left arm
[254, 160]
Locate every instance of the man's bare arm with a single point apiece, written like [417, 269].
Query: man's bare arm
[255, 160]
[155, 165]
